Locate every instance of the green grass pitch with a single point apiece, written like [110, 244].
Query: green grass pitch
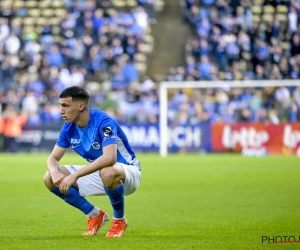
[184, 202]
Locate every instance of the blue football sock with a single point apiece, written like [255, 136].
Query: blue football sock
[116, 197]
[74, 199]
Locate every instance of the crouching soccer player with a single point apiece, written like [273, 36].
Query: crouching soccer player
[113, 169]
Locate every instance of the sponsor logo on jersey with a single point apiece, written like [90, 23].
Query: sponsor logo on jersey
[107, 131]
[75, 142]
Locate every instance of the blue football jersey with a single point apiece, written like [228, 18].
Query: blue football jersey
[89, 141]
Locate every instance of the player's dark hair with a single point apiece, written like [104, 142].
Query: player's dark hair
[77, 93]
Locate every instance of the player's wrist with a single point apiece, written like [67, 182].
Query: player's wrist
[76, 175]
[53, 171]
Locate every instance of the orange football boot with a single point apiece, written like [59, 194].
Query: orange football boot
[94, 224]
[117, 228]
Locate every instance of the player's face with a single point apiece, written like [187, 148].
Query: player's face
[69, 109]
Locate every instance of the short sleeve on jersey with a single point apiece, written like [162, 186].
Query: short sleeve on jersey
[108, 133]
[62, 140]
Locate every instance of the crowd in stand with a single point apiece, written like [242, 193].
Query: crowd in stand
[232, 40]
[240, 40]
[96, 49]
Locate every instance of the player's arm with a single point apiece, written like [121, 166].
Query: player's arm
[109, 158]
[58, 152]
[52, 164]
[54, 158]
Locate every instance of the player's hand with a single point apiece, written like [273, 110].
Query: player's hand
[67, 183]
[57, 177]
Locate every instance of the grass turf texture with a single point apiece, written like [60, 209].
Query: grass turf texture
[184, 202]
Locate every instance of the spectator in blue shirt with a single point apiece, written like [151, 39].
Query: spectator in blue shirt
[98, 19]
[129, 72]
[54, 57]
[204, 28]
[205, 68]
[262, 52]
[205, 8]
[294, 113]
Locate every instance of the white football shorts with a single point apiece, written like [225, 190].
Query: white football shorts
[92, 185]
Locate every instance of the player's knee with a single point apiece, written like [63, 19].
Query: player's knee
[48, 181]
[109, 176]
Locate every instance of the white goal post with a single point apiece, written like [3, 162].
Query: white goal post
[165, 86]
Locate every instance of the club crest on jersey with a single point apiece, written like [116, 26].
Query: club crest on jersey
[95, 145]
[107, 131]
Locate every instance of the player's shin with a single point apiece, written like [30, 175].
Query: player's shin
[74, 199]
[116, 197]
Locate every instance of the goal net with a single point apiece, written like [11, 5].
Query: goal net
[187, 109]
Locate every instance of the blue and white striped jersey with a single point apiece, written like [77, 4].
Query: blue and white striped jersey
[89, 141]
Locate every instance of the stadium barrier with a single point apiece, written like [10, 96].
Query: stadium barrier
[248, 138]
[142, 137]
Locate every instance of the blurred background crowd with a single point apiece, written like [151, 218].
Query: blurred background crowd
[46, 46]
[241, 40]
[104, 46]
